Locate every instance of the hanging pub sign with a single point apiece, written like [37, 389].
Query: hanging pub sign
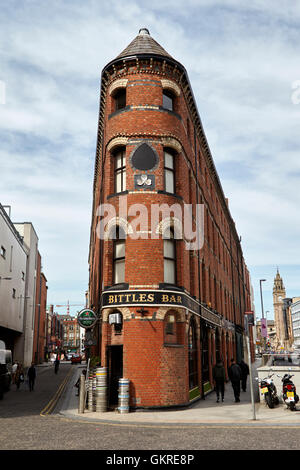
[87, 318]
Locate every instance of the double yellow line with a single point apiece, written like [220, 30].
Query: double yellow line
[52, 403]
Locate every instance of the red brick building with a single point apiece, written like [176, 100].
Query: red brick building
[166, 311]
[40, 327]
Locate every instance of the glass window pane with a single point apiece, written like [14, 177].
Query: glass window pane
[169, 271]
[119, 249]
[123, 180]
[118, 187]
[169, 181]
[119, 271]
[167, 101]
[169, 249]
[119, 160]
[120, 99]
[169, 160]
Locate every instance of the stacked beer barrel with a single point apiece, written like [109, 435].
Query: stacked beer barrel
[90, 391]
[123, 396]
[101, 389]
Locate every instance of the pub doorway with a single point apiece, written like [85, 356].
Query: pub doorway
[114, 373]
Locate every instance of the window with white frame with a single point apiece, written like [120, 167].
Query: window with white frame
[119, 256]
[169, 256]
[120, 170]
[169, 171]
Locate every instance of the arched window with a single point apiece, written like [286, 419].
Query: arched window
[169, 256]
[119, 256]
[120, 99]
[120, 170]
[193, 352]
[168, 100]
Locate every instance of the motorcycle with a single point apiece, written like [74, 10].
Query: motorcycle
[268, 389]
[289, 394]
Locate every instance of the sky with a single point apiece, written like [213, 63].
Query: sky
[242, 59]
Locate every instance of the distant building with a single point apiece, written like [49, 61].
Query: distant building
[13, 270]
[54, 332]
[19, 281]
[295, 317]
[72, 334]
[39, 341]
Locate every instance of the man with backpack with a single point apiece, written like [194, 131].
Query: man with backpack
[235, 375]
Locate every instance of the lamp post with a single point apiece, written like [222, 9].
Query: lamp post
[262, 308]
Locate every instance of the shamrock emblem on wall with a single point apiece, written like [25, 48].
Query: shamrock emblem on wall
[144, 180]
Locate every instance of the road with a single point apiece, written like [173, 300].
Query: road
[30, 421]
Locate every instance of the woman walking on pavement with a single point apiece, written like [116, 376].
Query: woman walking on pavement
[219, 379]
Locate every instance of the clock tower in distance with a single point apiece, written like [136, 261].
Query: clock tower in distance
[278, 296]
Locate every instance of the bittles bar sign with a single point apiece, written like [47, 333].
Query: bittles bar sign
[156, 298]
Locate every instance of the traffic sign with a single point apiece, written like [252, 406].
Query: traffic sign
[87, 318]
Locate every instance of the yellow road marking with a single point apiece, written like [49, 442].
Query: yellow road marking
[52, 403]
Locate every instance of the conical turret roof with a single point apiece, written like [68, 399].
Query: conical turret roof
[143, 43]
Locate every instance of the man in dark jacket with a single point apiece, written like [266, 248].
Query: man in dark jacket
[245, 372]
[31, 376]
[235, 375]
[219, 379]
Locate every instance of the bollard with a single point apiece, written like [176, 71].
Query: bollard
[101, 389]
[123, 396]
[81, 404]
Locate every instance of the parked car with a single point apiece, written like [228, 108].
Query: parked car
[69, 356]
[76, 359]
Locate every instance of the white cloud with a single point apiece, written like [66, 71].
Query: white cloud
[242, 59]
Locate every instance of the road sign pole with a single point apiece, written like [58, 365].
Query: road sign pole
[250, 367]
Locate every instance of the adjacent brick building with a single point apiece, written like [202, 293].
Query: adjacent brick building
[166, 311]
[39, 337]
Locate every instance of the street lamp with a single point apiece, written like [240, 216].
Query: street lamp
[262, 308]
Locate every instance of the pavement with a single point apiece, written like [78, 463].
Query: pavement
[202, 412]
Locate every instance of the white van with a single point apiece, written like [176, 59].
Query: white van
[5, 368]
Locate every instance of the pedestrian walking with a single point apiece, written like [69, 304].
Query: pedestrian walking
[31, 374]
[219, 379]
[13, 371]
[19, 377]
[235, 375]
[56, 365]
[245, 372]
